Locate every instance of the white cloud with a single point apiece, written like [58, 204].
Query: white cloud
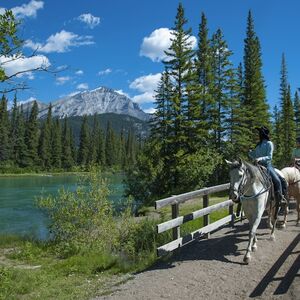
[62, 80]
[147, 97]
[150, 110]
[89, 19]
[146, 85]
[60, 42]
[82, 86]
[159, 40]
[79, 72]
[105, 72]
[20, 64]
[26, 10]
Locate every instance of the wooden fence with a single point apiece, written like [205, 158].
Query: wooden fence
[177, 220]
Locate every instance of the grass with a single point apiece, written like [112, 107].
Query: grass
[32, 270]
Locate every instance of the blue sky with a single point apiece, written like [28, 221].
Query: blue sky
[119, 43]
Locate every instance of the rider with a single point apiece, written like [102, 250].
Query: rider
[296, 151]
[262, 154]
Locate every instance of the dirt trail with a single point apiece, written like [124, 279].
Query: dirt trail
[213, 269]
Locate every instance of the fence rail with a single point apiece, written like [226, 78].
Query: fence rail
[177, 220]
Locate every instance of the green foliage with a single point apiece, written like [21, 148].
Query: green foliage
[196, 169]
[81, 219]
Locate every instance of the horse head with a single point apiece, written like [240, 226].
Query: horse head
[237, 178]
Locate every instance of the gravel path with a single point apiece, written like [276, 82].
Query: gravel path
[213, 269]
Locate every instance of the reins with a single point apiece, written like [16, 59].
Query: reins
[241, 192]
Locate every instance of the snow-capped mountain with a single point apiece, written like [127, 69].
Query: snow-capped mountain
[98, 101]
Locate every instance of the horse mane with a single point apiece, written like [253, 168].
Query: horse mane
[253, 170]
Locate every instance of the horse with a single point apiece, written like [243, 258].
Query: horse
[249, 186]
[292, 176]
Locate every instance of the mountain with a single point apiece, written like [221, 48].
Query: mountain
[99, 101]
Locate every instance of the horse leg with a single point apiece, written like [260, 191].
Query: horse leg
[247, 257]
[272, 237]
[298, 210]
[286, 211]
[270, 214]
[254, 246]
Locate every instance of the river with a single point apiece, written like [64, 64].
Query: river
[18, 213]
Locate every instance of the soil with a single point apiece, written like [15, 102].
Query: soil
[213, 269]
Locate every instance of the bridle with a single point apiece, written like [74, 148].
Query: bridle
[242, 190]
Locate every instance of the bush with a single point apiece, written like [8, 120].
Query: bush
[82, 219]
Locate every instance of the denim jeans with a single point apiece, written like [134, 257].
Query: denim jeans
[278, 182]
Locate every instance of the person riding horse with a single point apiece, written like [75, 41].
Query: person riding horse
[263, 154]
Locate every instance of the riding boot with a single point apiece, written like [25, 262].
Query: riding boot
[279, 198]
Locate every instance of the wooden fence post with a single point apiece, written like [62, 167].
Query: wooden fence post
[232, 215]
[175, 214]
[206, 217]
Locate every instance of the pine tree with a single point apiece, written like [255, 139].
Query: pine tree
[84, 143]
[45, 143]
[278, 150]
[101, 148]
[32, 137]
[4, 131]
[223, 75]
[287, 121]
[92, 157]
[20, 146]
[297, 113]
[204, 86]
[56, 144]
[178, 64]
[67, 161]
[110, 149]
[13, 129]
[256, 107]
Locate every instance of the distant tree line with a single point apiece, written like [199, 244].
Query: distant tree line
[207, 110]
[32, 144]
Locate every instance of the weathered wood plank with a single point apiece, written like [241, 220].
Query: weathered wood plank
[175, 214]
[165, 249]
[190, 195]
[192, 216]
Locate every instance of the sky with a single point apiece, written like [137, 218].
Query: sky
[119, 44]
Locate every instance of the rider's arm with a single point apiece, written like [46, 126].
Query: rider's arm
[268, 151]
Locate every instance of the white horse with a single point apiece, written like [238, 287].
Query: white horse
[248, 185]
[292, 176]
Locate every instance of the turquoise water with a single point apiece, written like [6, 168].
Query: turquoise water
[18, 213]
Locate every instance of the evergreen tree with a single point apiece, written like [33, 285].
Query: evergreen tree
[92, 157]
[32, 137]
[20, 146]
[297, 113]
[223, 76]
[56, 144]
[278, 150]
[287, 122]
[84, 143]
[204, 86]
[178, 64]
[110, 149]
[101, 148]
[45, 143]
[67, 161]
[4, 131]
[13, 129]
[256, 107]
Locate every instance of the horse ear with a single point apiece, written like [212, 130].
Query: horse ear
[229, 162]
[240, 161]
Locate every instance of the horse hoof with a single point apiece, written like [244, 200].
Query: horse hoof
[282, 226]
[247, 260]
[254, 248]
[272, 238]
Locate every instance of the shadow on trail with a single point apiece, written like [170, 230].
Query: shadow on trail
[286, 281]
[214, 248]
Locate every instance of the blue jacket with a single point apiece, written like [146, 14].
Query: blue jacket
[263, 152]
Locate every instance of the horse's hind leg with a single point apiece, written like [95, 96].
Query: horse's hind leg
[286, 211]
[272, 237]
[298, 210]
